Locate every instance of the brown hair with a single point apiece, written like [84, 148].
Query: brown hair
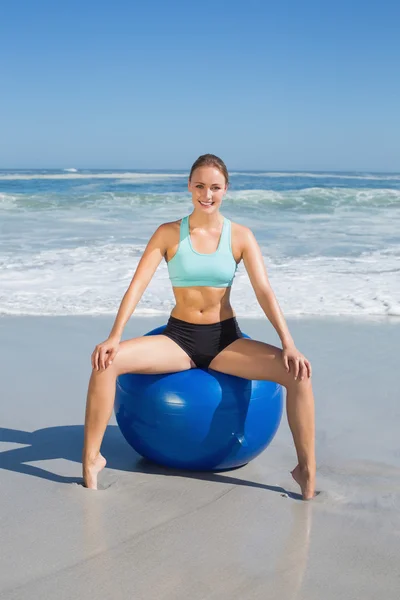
[210, 160]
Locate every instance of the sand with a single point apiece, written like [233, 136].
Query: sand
[151, 532]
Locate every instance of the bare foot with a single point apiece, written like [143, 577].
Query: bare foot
[306, 480]
[91, 469]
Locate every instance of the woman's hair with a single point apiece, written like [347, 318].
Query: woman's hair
[210, 160]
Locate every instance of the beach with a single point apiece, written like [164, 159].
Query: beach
[151, 532]
[159, 158]
[70, 243]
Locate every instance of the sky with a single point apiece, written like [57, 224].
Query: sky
[286, 85]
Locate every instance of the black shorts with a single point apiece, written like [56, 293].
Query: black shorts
[202, 342]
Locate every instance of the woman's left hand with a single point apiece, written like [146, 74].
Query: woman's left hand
[295, 361]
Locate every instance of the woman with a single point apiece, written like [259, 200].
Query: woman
[202, 251]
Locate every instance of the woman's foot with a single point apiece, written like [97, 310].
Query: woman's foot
[306, 480]
[91, 469]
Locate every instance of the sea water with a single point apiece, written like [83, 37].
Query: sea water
[70, 240]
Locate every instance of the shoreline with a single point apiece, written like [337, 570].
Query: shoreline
[360, 319]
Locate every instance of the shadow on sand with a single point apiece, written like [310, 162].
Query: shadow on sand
[66, 442]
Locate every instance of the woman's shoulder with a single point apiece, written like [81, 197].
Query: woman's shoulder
[170, 224]
[239, 230]
[242, 238]
[169, 231]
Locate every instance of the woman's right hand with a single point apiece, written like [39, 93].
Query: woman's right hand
[104, 353]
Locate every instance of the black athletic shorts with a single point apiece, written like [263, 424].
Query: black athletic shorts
[202, 342]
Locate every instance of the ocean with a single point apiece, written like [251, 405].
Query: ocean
[70, 239]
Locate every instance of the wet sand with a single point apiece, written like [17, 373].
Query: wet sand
[151, 532]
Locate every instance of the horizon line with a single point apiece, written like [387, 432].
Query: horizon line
[231, 169]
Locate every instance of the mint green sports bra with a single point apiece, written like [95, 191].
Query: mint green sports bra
[190, 268]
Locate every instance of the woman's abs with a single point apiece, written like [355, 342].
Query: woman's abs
[202, 304]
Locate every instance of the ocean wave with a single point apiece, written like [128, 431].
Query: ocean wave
[92, 280]
[8, 201]
[327, 175]
[316, 197]
[129, 177]
[307, 200]
[143, 177]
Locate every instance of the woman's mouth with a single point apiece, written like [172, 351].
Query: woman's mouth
[206, 203]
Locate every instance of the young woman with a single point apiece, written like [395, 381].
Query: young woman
[202, 251]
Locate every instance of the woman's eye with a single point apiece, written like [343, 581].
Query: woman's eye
[215, 189]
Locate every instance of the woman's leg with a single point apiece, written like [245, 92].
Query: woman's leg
[252, 359]
[149, 354]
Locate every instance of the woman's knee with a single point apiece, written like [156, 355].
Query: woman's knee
[109, 371]
[132, 356]
[298, 385]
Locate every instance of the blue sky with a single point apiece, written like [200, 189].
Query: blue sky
[154, 84]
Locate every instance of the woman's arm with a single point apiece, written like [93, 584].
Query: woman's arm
[150, 260]
[255, 267]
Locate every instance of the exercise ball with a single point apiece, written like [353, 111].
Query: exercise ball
[196, 419]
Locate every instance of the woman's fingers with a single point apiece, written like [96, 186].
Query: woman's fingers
[308, 367]
[286, 363]
[300, 368]
[111, 357]
[103, 355]
[299, 365]
[296, 367]
[107, 356]
[305, 369]
[95, 358]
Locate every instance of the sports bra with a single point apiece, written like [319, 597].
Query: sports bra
[191, 268]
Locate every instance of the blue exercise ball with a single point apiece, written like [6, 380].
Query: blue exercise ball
[195, 419]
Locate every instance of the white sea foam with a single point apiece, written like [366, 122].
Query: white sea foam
[128, 177]
[72, 249]
[7, 201]
[316, 197]
[92, 280]
[312, 199]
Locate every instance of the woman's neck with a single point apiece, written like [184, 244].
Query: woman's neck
[206, 221]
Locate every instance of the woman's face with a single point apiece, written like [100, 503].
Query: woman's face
[208, 186]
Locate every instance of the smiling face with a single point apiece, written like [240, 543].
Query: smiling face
[208, 186]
